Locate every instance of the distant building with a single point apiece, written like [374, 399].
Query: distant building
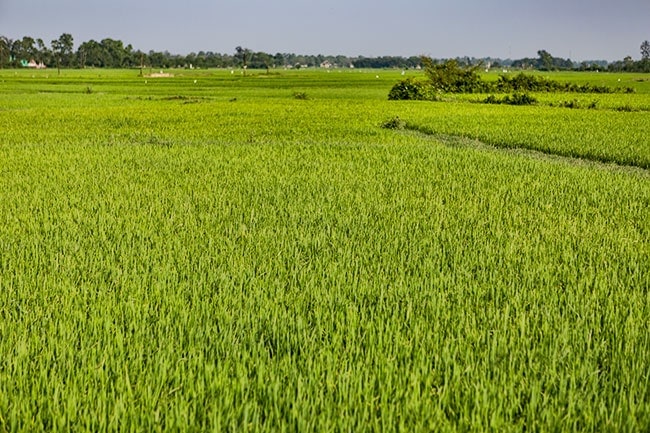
[32, 64]
[326, 64]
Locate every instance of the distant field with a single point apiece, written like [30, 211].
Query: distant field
[211, 252]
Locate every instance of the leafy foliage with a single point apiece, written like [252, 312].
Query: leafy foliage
[545, 61]
[645, 50]
[532, 83]
[394, 123]
[576, 104]
[514, 99]
[411, 89]
[450, 77]
[300, 96]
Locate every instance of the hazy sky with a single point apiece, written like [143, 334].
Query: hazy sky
[580, 29]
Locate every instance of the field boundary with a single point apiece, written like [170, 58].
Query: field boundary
[451, 140]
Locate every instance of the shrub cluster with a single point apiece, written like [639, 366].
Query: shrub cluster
[514, 99]
[394, 123]
[531, 83]
[450, 77]
[412, 90]
[576, 104]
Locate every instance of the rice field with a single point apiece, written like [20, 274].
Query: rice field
[212, 252]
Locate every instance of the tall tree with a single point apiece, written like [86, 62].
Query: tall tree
[5, 49]
[118, 56]
[263, 60]
[243, 55]
[43, 51]
[545, 60]
[645, 50]
[26, 49]
[92, 54]
[62, 49]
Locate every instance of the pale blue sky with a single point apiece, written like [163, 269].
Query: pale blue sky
[581, 29]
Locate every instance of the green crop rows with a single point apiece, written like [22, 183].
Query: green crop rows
[209, 252]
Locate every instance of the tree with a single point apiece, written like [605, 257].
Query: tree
[263, 60]
[117, 55]
[26, 48]
[5, 49]
[92, 54]
[43, 52]
[158, 59]
[243, 55]
[449, 76]
[628, 62]
[545, 60]
[62, 49]
[645, 50]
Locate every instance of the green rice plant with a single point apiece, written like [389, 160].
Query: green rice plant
[283, 266]
[572, 133]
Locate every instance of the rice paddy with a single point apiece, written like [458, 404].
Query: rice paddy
[210, 252]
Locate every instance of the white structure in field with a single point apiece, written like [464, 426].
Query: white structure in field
[32, 64]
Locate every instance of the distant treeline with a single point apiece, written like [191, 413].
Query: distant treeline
[546, 62]
[111, 53]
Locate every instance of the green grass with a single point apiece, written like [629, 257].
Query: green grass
[269, 263]
[597, 135]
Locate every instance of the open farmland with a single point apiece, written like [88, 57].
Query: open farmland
[212, 252]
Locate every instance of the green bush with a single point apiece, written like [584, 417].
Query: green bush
[519, 99]
[531, 83]
[410, 89]
[514, 99]
[394, 123]
[451, 77]
[300, 95]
